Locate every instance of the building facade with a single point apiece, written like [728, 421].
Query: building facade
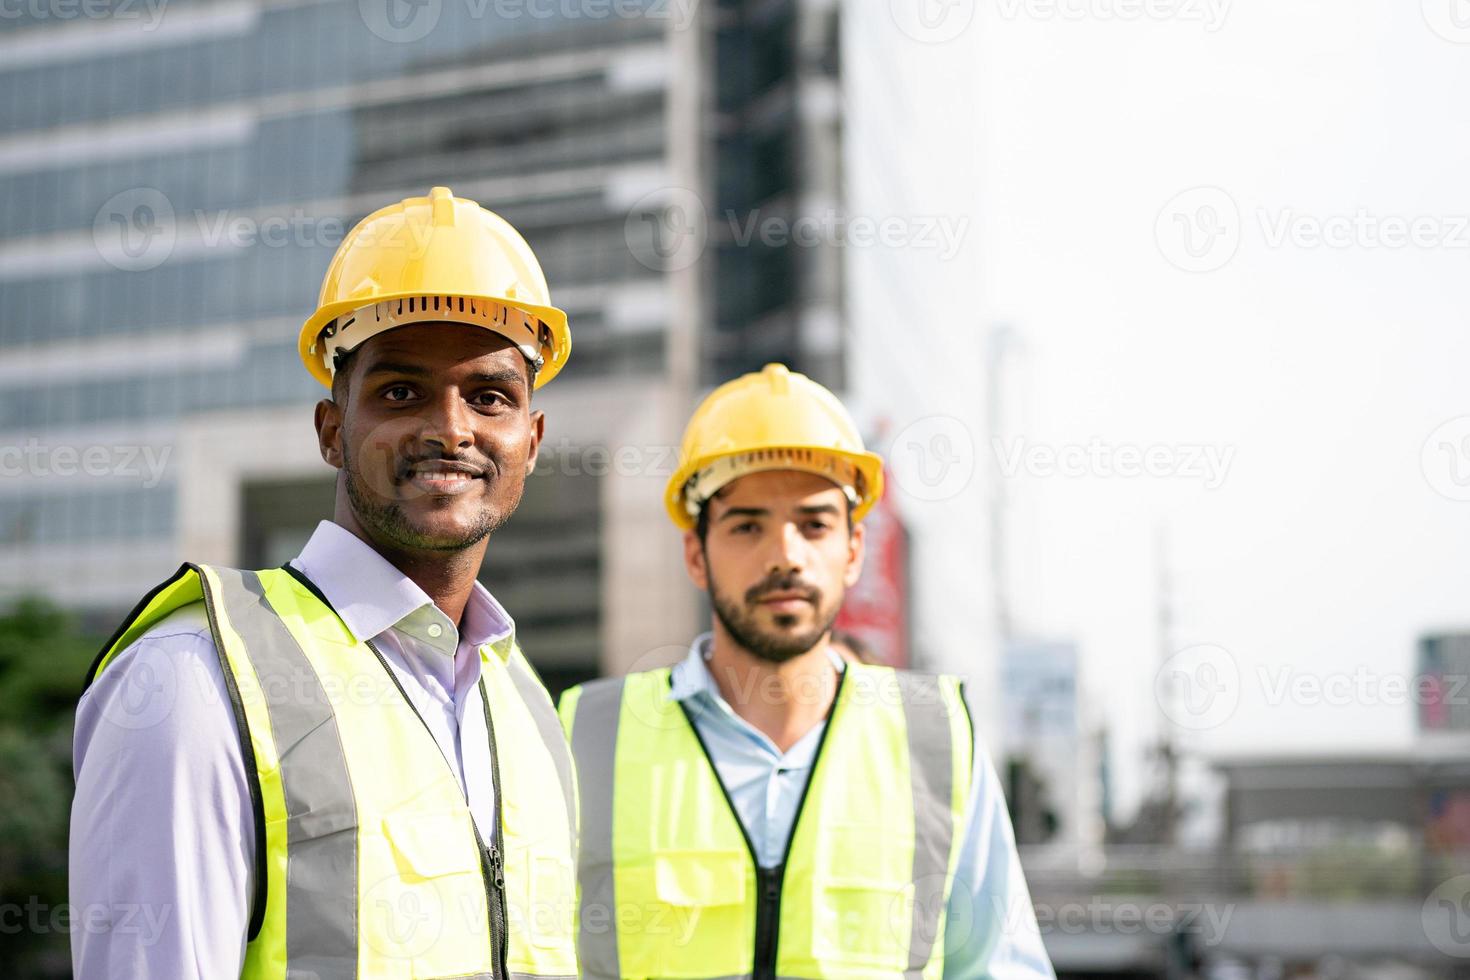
[175, 177]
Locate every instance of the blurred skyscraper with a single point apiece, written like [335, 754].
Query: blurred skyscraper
[175, 176]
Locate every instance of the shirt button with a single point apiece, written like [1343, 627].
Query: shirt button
[435, 630]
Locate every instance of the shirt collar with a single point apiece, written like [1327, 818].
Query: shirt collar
[691, 677]
[372, 596]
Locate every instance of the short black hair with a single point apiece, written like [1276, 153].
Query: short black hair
[341, 368]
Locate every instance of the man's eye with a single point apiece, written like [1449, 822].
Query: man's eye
[816, 527]
[490, 398]
[745, 527]
[398, 393]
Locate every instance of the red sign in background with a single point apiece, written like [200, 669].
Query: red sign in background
[876, 609]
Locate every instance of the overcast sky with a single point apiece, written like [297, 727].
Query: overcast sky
[1293, 384]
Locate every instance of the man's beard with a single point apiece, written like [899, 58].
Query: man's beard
[386, 520]
[777, 648]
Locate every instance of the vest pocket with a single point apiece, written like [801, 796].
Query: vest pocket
[424, 846]
[696, 914]
[698, 879]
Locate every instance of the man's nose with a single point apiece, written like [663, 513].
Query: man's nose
[446, 423]
[789, 549]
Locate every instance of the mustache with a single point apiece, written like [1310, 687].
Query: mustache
[783, 582]
[470, 463]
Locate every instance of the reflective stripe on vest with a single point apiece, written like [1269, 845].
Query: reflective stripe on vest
[368, 861]
[669, 886]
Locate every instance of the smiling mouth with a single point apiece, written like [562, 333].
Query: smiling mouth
[444, 478]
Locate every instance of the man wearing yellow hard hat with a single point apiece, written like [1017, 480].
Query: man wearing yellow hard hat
[764, 808]
[345, 767]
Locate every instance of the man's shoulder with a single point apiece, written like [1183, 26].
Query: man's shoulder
[185, 630]
[179, 645]
[163, 695]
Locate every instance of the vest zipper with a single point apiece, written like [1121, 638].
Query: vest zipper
[492, 860]
[767, 920]
[495, 884]
[768, 880]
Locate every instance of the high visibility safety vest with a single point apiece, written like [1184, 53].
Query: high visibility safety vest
[368, 864]
[669, 882]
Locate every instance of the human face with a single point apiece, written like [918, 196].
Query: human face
[777, 560]
[433, 436]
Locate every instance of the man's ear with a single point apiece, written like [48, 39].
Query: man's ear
[538, 432]
[695, 561]
[856, 549]
[329, 432]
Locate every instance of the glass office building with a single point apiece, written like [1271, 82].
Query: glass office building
[175, 176]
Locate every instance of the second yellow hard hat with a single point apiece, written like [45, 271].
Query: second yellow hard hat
[774, 419]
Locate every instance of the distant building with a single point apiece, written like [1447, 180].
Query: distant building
[1053, 764]
[1442, 685]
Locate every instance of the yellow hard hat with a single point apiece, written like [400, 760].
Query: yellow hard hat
[439, 257]
[773, 420]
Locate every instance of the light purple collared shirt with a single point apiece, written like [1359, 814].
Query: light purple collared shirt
[162, 827]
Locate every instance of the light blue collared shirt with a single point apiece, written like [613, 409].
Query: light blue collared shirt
[990, 926]
[162, 826]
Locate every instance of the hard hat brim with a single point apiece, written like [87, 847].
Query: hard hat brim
[555, 319]
[870, 465]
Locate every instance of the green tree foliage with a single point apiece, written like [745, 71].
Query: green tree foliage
[44, 655]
